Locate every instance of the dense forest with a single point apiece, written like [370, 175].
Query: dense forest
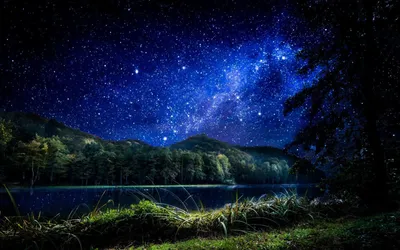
[37, 151]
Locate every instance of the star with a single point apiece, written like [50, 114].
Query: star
[196, 75]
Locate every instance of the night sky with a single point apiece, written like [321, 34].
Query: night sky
[156, 71]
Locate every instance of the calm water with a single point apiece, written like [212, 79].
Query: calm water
[62, 200]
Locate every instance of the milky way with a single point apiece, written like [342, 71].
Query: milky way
[156, 72]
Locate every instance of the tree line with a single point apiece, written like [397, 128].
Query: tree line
[56, 160]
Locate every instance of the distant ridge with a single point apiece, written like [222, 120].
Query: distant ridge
[245, 164]
[30, 124]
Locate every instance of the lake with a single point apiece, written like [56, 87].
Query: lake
[51, 201]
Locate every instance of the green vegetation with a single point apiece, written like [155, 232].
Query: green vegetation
[152, 222]
[375, 232]
[5, 138]
[286, 222]
[37, 151]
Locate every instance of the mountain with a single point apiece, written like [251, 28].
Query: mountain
[201, 142]
[28, 125]
[46, 151]
[305, 172]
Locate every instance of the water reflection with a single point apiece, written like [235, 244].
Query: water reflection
[62, 200]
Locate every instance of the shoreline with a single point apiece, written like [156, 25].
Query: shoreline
[283, 185]
[289, 218]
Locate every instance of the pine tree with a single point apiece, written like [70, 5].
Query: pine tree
[345, 105]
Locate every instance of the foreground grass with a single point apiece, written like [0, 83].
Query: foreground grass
[152, 222]
[376, 232]
[149, 222]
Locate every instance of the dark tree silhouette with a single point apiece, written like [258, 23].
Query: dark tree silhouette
[347, 108]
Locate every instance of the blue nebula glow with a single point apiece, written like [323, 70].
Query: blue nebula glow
[162, 83]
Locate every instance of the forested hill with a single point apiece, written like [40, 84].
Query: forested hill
[269, 161]
[39, 151]
[27, 125]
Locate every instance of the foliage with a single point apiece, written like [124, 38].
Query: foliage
[33, 156]
[290, 222]
[5, 132]
[149, 221]
[347, 108]
[60, 155]
[376, 232]
[6, 135]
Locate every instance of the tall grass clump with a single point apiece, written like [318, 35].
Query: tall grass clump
[152, 221]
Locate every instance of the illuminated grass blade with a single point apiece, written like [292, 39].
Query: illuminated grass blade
[12, 200]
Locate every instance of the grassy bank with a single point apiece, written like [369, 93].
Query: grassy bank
[154, 223]
[373, 232]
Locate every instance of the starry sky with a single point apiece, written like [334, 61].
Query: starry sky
[157, 71]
